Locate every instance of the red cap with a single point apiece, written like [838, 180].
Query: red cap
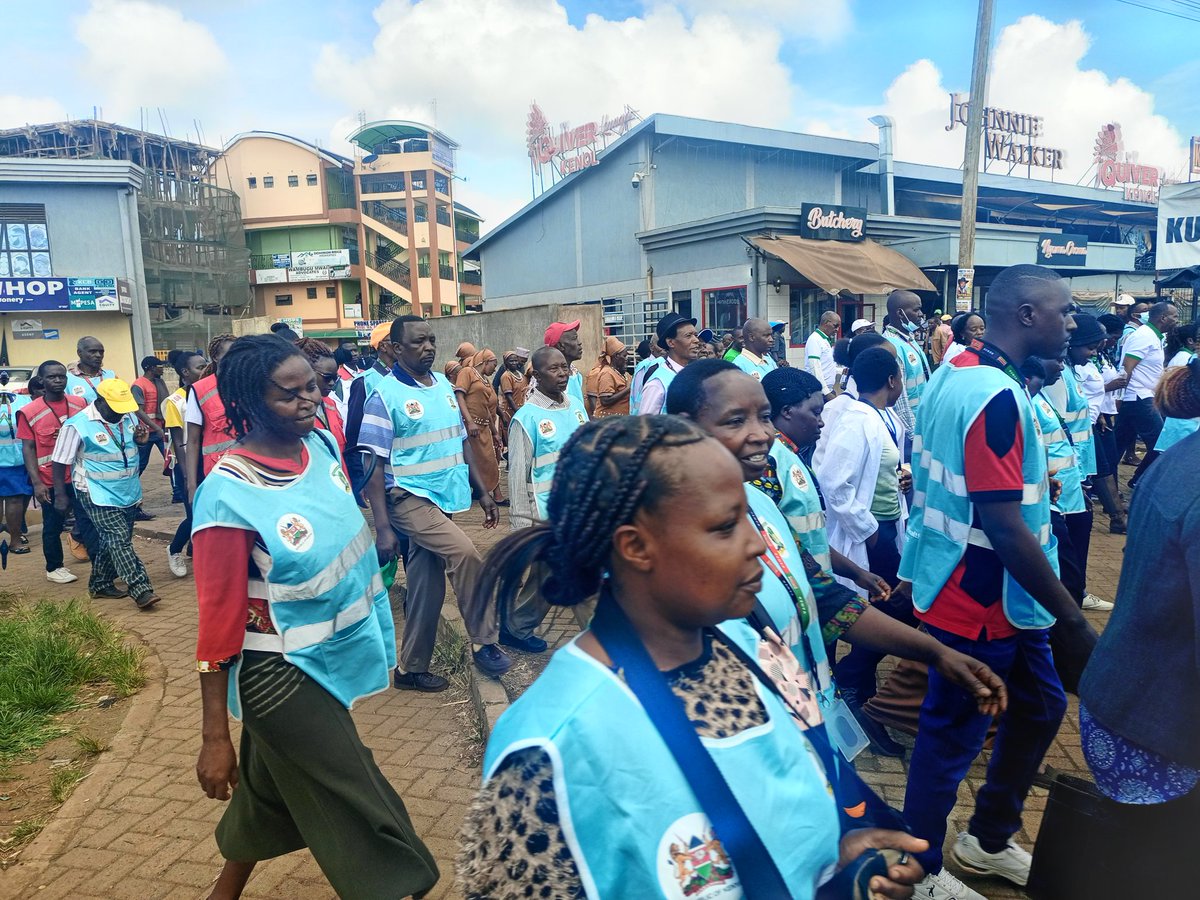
[557, 329]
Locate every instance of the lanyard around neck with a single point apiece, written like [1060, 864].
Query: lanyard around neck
[887, 422]
[780, 569]
[119, 441]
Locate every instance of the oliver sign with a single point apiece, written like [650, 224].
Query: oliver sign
[1062, 249]
[823, 222]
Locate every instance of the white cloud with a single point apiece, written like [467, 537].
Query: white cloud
[16, 111]
[820, 21]
[139, 54]
[485, 62]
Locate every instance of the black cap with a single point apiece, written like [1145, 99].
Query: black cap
[1088, 330]
[667, 326]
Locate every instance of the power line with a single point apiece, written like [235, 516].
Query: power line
[1165, 12]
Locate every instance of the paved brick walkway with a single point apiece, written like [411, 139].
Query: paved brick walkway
[139, 827]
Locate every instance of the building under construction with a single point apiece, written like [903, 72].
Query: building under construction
[193, 245]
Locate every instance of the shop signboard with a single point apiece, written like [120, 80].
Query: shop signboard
[1195, 156]
[59, 295]
[281, 260]
[1116, 166]
[125, 296]
[1178, 245]
[824, 222]
[27, 329]
[317, 273]
[1008, 135]
[351, 310]
[1062, 250]
[270, 276]
[364, 327]
[311, 259]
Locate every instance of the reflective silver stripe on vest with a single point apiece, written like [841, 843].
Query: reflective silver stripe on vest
[429, 437]
[545, 459]
[43, 460]
[45, 412]
[217, 448]
[104, 457]
[329, 577]
[208, 396]
[542, 487]
[978, 539]
[294, 639]
[121, 475]
[952, 482]
[806, 523]
[433, 465]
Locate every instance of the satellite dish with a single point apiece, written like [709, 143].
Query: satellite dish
[370, 158]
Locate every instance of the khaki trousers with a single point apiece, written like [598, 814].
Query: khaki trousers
[438, 548]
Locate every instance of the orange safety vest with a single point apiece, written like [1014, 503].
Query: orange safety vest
[150, 392]
[45, 424]
[216, 438]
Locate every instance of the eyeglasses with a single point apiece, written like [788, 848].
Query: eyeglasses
[328, 379]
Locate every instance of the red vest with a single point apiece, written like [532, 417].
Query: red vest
[150, 392]
[216, 438]
[45, 424]
[336, 426]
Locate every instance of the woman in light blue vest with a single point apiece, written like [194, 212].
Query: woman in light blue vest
[15, 487]
[292, 645]
[583, 795]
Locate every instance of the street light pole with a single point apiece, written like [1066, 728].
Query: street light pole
[970, 192]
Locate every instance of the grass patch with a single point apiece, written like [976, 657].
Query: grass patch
[63, 781]
[48, 653]
[451, 654]
[90, 745]
[24, 832]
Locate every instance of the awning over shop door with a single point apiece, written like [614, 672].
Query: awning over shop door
[864, 267]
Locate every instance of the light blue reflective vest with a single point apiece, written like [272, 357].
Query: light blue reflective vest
[110, 459]
[634, 825]
[915, 366]
[371, 378]
[801, 504]
[940, 526]
[10, 444]
[85, 385]
[548, 431]
[778, 603]
[1078, 417]
[1061, 459]
[637, 385]
[427, 442]
[1174, 431]
[575, 387]
[666, 375]
[317, 570]
[758, 370]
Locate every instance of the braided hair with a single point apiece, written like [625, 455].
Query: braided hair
[608, 470]
[1178, 391]
[314, 349]
[213, 346]
[243, 375]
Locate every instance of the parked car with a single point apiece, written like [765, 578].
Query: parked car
[18, 379]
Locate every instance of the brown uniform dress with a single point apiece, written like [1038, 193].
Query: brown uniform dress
[480, 405]
[518, 386]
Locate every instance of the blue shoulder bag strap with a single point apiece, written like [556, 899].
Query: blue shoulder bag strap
[759, 876]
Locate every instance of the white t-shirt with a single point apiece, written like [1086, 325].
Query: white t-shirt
[818, 352]
[1181, 358]
[1146, 344]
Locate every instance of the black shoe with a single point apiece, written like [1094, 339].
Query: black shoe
[531, 644]
[426, 682]
[492, 660]
[142, 516]
[881, 742]
[146, 599]
[1117, 525]
[176, 499]
[112, 593]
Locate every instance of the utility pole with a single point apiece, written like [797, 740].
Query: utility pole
[970, 192]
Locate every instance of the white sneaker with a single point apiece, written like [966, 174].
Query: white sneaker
[1092, 602]
[177, 563]
[944, 886]
[61, 575]
[1012, 862]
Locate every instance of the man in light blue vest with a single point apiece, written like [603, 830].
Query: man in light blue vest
[539, 431]
[755, 359]
[99, 444]
[88, 370]
[564, 337]
[903, 331]
[983, 566]
[413, 424]
[678, 336]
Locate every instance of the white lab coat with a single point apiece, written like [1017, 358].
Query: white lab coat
[847, 471]
[829, 418]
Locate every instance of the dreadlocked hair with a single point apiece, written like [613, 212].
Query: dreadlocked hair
[216, 342]
[313, 349]
[243, 375]
[608, 470]
[1178, 391]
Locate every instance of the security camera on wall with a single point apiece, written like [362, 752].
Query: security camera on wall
[636, 181]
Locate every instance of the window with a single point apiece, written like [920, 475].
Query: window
[418, 181]
[392, 183]
[447, 310]
[310, 293]
[441, 183]
[423, 263]
[420, 212]
[268, 181]
[253, 182]
[293, 181]
[724, 309]
[310, 180]
[24, 241]
[330, 293]
[283, 299]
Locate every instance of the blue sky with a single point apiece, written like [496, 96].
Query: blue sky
[309, 67]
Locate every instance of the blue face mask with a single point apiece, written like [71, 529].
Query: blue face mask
[1145, 318]
[911, 327]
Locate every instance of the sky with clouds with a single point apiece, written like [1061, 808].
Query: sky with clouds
[311, 67]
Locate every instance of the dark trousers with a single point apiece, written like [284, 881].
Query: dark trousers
[53, 523]
[183, 533]
[178, 483]
[1137, 419]
[144, 451]
[855, 674]
[952, 732]
[1074, 534]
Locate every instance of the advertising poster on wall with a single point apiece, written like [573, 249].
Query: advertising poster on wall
[964, 290]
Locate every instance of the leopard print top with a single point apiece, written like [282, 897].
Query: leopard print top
[511, 844]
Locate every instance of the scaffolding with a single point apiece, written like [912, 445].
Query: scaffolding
[193, 244]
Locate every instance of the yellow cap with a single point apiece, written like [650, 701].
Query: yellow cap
[381, 332]
[117, 395]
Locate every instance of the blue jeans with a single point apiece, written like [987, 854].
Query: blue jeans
[952, 731]
[144, 451]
